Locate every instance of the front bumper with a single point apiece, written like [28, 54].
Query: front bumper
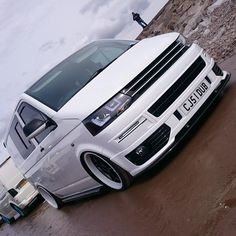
[137, 123]
[218, 92]
[169, 118]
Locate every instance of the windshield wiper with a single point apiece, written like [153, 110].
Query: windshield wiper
[97, 72]
[101, 69]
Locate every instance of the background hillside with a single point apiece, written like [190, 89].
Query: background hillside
[210, 23]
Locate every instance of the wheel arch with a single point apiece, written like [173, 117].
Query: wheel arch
[124, 177]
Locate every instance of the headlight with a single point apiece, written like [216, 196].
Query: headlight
[106, 114]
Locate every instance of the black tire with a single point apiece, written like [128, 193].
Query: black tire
[7, 220]
[105, 171]
[22, 212]
[50, 198]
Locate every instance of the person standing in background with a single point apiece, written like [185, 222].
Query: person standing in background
[136, 17]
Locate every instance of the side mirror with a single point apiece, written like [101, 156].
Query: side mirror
[33, 128]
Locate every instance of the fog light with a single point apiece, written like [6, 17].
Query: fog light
[141, 151]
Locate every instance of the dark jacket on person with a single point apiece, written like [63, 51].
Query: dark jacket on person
[136, 16]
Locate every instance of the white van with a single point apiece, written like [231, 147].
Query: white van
[17, 194]
[109, 112]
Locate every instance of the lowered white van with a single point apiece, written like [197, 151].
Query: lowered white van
[17, 194]
[109, 112]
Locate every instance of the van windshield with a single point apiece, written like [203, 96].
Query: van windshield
[60, 84]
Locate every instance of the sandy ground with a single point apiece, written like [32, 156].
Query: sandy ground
[191, 193]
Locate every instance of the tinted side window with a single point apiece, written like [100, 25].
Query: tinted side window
[28, 113]
[24, 146]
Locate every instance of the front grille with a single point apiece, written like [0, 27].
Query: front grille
[155, 70]
[177, 88]
[151, 145]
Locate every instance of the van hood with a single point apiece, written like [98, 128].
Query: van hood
[115, 77]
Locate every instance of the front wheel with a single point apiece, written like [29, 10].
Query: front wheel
[106, 172]
[50, 198]
[22, 212]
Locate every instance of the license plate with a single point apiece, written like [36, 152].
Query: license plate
[195, 97]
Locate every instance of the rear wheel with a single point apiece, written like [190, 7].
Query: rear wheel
[7, 220]
[105, 171]
[50, 198]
